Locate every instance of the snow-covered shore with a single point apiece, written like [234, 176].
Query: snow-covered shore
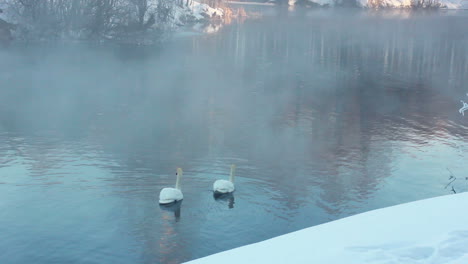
[191, 12]
[448, 4]
[428, 231]
[196, 11]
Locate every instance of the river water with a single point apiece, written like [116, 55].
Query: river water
[325, 113]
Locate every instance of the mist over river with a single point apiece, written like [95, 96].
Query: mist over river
[325, 113]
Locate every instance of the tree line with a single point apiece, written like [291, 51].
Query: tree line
[412, 4]
[92, 18]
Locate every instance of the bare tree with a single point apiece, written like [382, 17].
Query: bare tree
[164, 10]
[425, 3]
[102, 13]
[95, 18]
[142, 7]
[413, 4]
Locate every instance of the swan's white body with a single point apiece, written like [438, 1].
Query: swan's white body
[171, 195]
[224, 186]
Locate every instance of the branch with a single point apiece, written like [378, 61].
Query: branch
[452, 177]
[464, 107]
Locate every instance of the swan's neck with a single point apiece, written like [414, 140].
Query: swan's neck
[231, 176]
[177, 183]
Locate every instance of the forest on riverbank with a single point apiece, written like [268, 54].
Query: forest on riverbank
[101, 19]
[148, 20]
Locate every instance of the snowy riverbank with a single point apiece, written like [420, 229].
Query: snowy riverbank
[158, 18]
[196, 11]
[427, 231]
[448, 4]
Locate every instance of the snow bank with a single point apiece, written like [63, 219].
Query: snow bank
[449, 4]
[455, 4]
[196, 11]
[428, 231]
[6, 14]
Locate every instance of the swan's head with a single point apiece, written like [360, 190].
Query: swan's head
[179, 172]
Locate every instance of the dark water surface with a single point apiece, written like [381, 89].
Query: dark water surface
[326, 115]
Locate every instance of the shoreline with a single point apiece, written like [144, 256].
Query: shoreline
[401, 233]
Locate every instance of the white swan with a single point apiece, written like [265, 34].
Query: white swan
[224, 186]
[170, 195]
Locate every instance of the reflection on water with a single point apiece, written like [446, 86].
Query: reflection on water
[227, 198]
[326, 114]
[173, 208]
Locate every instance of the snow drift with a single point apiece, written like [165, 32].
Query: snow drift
[427, 231]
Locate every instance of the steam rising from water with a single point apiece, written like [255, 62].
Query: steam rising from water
[325, 114]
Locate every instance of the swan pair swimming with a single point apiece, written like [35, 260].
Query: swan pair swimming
[171, 195]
